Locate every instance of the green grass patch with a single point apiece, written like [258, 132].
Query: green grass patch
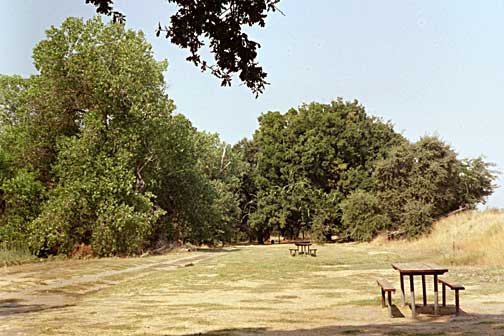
[15, 254]
[364, 302]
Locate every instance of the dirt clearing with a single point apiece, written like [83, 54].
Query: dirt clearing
[241, 291]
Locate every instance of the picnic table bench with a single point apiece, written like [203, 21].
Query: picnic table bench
[454, 286]
[386, 287]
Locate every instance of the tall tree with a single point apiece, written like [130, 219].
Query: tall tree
[91, 151]
[309, 159]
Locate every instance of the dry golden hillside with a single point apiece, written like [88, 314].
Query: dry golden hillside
[469, 238]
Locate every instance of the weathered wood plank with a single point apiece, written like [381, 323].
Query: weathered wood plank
[451, 284]
[419, 268]
[385, 285]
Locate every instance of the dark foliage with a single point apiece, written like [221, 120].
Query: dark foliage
[219, 21]
[331, 169]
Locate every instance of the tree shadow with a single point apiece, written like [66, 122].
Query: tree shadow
[218, 250]
[473, 324]
[15, 306]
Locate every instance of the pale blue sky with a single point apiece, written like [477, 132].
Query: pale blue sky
[431, 67]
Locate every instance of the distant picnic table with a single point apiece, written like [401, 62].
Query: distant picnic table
[303, 247]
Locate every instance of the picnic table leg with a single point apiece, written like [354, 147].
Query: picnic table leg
[435, 295]
[424, 291]
[412, 289]
[457, 304]
[389, 303]
[444, 295]
[403, 300]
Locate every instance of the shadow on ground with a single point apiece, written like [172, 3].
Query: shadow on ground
[464, 324]
[15, 306]
[425, 311]
[217, 250]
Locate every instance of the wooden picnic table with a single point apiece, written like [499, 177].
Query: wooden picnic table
[303, 247]
[421, 269]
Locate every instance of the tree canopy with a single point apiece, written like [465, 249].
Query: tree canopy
[92, 152]
[331, 169]
[220, 22]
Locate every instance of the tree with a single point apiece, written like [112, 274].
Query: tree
[247, 190]
[221, 23]
[308, 160]
[476, 181]
[420, 182]
[328, 169]
[84, 133]
[362, 216]
[91, 153]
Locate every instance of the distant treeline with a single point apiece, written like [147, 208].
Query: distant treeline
[91, 152]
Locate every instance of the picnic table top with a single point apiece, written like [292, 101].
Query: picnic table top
[419, 268]
[302, 243]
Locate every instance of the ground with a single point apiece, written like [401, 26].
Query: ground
[243, 290]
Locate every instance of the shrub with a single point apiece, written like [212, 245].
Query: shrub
[22, 195]
[362, 216]
[122, 229]
[417, 218]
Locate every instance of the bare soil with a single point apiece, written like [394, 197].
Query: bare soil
[248, 290]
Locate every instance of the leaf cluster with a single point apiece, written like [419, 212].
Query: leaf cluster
[220, 23]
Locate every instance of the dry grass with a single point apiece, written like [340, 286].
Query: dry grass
[251, 290]
[472, 238]
[244, 291]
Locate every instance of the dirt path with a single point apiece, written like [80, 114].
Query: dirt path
[65, 292]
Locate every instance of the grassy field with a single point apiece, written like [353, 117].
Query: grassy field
[246, 290]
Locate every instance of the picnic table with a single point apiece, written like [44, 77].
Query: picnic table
[303, 247]
[421, 269]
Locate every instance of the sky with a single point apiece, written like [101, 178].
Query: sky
[430, 67]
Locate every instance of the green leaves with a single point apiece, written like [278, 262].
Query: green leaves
[420, 182]
[363, 216]
[21, 197]
[332, 169]
[91, 128]
[309, 159]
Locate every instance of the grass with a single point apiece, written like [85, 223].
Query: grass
[468, 238]
[15, 254]
[250, 290]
